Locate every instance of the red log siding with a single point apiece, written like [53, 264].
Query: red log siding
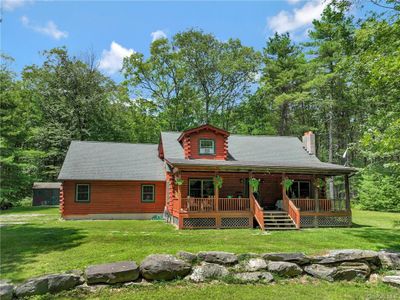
[62, 199]
[191, 145]
[172, 201]
[233, 184]
[108, 197]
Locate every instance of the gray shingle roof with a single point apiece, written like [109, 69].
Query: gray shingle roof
[274, 152]
[46, 185]
[112, 161]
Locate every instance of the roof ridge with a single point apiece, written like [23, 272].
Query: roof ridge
[107, 142]
[247, 135]
[265, 135]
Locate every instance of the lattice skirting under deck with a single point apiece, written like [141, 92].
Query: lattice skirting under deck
[325, 221]
[235, 222]
[199, 222]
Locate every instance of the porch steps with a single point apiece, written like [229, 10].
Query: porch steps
[278, 220]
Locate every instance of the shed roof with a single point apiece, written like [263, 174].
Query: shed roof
[281, 153]
[46, 185]
[112, 161]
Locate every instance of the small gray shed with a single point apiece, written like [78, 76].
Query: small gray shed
[46, 193]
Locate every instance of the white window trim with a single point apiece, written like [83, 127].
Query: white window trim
[154, 193]
[76, 192]
[213, 147]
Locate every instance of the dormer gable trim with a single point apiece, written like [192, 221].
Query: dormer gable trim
[201, 128]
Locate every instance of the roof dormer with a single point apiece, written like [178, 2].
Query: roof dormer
[205, 142]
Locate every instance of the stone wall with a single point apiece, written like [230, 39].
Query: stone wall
[204, 266]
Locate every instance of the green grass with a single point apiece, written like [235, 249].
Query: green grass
[35, 241]
[281, 290]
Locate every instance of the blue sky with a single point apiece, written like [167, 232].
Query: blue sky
[113, 29]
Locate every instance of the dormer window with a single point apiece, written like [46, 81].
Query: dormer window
[206, 147]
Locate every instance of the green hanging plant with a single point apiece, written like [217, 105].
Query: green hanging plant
[179, 181]
[254, 183]
[319, 183]
[287, 183]
[218, 181]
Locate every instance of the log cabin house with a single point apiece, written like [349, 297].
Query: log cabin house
[204, 177]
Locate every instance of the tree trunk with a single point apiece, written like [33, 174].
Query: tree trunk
[330, 153]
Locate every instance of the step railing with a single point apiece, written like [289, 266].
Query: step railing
[258, 212]
[294, 213]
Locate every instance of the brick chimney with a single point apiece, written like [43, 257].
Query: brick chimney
[309, 142]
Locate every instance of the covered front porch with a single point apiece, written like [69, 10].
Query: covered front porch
[198, 202]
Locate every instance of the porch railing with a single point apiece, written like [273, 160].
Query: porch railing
[193, 204]
[324, 204]
[234, 204]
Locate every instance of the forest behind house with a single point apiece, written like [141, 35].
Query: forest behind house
[343, 84]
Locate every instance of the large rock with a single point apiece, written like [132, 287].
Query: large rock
[218, 257]
[6, 290]
[255, 264]
[283, 268]
[53, 283]
[112, 273]
[189, 257]
[164, 267]
[389, 259]
[208, 271]
[338, 256]
[345, 271]
[392, 280]
[352, 270]
[321, 271]
[264, 277]
[295, 257]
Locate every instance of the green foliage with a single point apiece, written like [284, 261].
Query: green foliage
[342, 84]
[379, 190]
[179, 181]
[218, 181]
[254, 183]
[287, 183]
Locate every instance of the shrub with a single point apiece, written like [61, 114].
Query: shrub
[379, 190]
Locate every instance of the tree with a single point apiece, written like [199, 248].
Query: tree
[282, 84]
[73, 101]
[18, 159]
[331, 42]
[221, 73]
[162, 79]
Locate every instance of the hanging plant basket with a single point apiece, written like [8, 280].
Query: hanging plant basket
[319, 183]
[254, 183]
[287, 183]
[218, 181]
[179, 181]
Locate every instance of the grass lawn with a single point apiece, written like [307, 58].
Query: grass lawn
[280, 290]
[34, 241]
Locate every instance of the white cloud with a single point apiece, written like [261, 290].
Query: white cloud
[111, 60]
[49, 29]
[299, 17]
[13, 4]
[158, 34]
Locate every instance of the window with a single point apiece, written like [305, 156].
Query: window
[300, 189]
[82, 193]
[206, 147]
[201, 188]
[148, 193]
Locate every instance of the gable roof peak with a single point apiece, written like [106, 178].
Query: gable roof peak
[203, 127]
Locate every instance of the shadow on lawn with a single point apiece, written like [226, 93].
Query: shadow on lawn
[20, 244]
[382, 238]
